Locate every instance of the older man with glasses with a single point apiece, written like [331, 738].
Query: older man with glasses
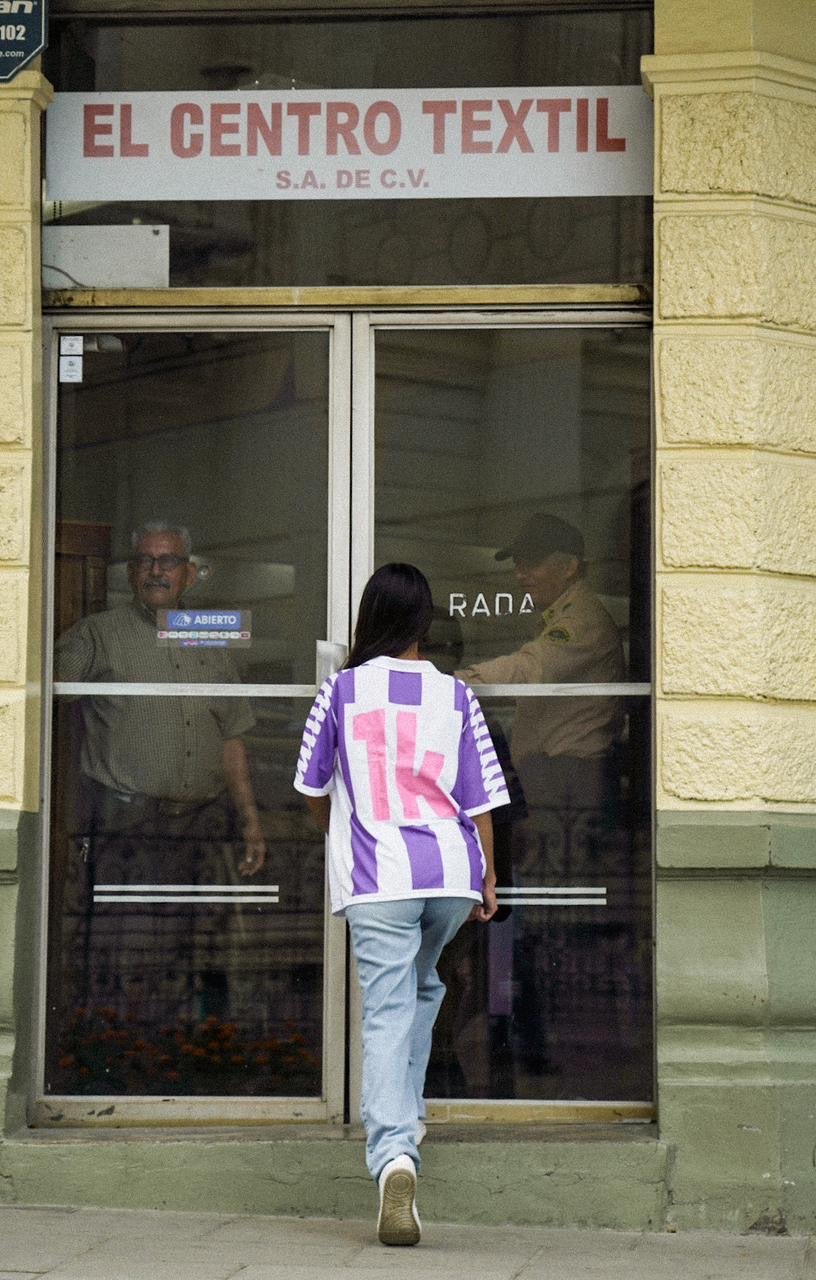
[166, 792]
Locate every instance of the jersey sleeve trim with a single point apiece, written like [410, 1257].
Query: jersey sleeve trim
[315, 767]
[495, 803]
[313, 791]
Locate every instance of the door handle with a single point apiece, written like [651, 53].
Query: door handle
[329, 657]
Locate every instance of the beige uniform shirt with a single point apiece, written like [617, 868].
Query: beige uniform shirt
[170, 748]
[579, 643]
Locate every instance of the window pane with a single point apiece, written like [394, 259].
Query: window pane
[172, 971]
[532, 445]
[213, 983]
[289, 243]
[226, 434]
[552, 1000]
[477, 433]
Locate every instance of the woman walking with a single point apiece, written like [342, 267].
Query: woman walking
[398, 766]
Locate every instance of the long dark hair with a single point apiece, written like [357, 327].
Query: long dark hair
[395, 610]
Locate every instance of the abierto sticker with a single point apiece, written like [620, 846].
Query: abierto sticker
[204, 628]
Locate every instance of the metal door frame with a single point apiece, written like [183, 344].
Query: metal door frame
[74, 1110]
[350, 560]
[366, 324]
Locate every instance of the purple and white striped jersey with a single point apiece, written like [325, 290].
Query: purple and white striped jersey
[408, 759]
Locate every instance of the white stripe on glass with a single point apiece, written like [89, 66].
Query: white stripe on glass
[132, 689]
[620, 690]
[186, 888]
[550, 902]
[556, 889]
[551, 896]
[182, 897]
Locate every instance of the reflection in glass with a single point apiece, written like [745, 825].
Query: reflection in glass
[171, 971]
[553, 1000]
[226, 434]
[186, 895]
[479, 432]
[512, 468]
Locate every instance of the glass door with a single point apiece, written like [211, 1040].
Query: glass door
[508, 457]
[200, 588]
[221, 489]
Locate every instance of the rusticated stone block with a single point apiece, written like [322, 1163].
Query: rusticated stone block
[11, 750]
[709, 642]
[13, 508]
[748, 638]
[12, 626]
[15, 392]
[737, 753]
[13, 158]
[736, 143]
[15, 283]
[8, 909]
[714, 758]
[711, 961]
[708, 512]
[788, 510]
[735, 512]
[735, 390]
[744, 266]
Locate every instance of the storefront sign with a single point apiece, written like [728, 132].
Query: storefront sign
[486, 604]
[204, 628]
[23, 28]
[350, 145]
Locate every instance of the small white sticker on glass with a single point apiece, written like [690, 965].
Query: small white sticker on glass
[70, 369]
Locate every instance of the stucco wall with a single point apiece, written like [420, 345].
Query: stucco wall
[20, 562]
[735, 361]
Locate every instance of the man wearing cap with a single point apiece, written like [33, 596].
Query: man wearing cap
[562, 750]
[578, 643]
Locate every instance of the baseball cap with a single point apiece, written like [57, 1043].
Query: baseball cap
[541, 535]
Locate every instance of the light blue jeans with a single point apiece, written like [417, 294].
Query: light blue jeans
[397, 946]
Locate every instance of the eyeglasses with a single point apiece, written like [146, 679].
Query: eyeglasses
[166, 564]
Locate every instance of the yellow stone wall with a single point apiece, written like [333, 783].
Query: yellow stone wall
[21, 102]
[735, 407]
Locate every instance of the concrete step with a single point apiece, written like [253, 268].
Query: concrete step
[593, 1176]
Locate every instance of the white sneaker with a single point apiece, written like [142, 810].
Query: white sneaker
[398, 1222]
[422, 1129]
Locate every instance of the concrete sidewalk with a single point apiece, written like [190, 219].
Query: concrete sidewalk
[123, 1244]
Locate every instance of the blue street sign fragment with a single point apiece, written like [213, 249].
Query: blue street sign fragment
[23, 34]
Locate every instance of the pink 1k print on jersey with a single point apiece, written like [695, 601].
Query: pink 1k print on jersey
[408, 760]
[369, 727]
